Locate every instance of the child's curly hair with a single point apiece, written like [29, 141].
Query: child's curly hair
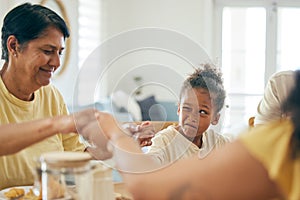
[207, 77]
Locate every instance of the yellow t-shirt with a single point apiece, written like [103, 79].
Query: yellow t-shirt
[16, 169]
[270, 144]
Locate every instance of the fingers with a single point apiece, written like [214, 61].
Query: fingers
[109, 125]
[94, 135]
[146, 131]
[131, 127]
[145, 143]
[84, 117]
[144, 140]
[142, 133]
[145, 123]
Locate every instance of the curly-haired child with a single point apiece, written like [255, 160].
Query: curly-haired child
[201, 99]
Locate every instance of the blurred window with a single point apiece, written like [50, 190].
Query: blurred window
[259, 38]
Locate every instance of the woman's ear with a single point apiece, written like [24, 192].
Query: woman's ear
[12, 44]
[215, 119]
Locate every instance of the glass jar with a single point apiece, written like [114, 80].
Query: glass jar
[65, 175]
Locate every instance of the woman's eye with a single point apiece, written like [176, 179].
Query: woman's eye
[47, 52]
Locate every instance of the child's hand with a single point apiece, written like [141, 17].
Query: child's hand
[143, 133]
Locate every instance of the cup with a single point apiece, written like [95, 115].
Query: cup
[102, 182]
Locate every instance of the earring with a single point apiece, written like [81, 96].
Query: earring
[14, 54]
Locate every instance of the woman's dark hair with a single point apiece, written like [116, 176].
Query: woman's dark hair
[27, 22]
[292, 106]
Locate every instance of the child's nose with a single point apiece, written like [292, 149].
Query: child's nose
[194, 116]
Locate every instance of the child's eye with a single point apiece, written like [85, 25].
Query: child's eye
[186, 108]
[203, 112]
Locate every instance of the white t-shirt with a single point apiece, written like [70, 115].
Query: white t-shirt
[169, 145]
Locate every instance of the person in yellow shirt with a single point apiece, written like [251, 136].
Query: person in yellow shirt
[33, 38]
[258, 165]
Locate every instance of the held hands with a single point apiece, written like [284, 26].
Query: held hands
[74, 122]
[92, 133]
[86, 124]
[143, 133]
[97, 128]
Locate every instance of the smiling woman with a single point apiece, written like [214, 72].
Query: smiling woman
[33, 38]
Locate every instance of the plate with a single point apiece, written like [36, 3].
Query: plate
[119, 188]
[2, 196]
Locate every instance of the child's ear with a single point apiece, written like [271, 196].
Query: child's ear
[178, 109]
[215, 119]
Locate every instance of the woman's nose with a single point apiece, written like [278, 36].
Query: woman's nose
[55, 60]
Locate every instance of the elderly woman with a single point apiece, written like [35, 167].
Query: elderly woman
[33, 39]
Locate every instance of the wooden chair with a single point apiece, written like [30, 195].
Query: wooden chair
[158, 125]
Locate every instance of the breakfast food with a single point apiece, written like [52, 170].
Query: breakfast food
[119, 196]
[20, 194]
[30, 196]
[55, 190]
[14, 193]
[122, 198]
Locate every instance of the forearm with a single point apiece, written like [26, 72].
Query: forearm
[129, 156]
[15, 137]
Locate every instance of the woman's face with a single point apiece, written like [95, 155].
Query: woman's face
[196, 112]
[40, 57]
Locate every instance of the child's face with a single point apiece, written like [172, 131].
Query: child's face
[196, 112]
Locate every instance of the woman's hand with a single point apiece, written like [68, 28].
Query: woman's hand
[97, 132]
[74, 122]
[86, 124]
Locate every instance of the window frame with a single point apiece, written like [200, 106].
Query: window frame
[271, 27]
[235, 110]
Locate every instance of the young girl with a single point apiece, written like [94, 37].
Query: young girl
[201, 99]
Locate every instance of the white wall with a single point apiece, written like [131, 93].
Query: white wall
[192, 19]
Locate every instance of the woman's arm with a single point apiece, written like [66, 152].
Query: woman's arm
[15, 137]
[228, 173]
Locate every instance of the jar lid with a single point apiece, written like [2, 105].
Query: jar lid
[66, 158]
